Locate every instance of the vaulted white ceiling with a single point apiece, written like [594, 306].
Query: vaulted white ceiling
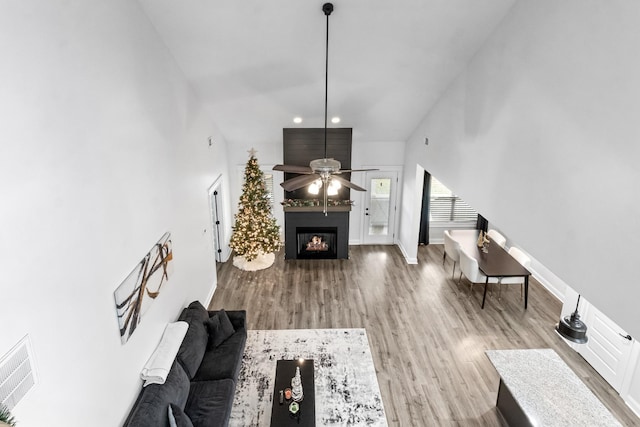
[256, 64]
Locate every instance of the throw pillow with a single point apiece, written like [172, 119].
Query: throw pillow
[195, 342]
[220, 328]
[196, 305]
[177, 418]
[193, 347]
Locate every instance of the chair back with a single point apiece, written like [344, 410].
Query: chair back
[497, 237]
[451, 247]
[469, 266]
[520, 256]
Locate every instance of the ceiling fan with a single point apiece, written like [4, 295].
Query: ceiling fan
[321, 173]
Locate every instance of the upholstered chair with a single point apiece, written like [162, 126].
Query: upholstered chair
[523, 259]
[470, 270]
[452, 249]
[497, 238]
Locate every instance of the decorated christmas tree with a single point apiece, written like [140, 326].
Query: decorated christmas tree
[256, 235]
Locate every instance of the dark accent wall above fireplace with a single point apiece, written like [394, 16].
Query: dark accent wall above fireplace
[301, 145]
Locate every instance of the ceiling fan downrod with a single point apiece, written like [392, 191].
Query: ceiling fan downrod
[327, 8]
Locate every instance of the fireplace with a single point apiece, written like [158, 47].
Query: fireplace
[303, 221]
[331, 234]
[317, 242]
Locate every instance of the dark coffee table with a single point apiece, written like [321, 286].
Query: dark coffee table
[280, 415]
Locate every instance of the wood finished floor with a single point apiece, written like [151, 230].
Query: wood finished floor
[427, 333]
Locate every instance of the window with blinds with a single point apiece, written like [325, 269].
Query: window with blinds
[446, 207]
[268, 185]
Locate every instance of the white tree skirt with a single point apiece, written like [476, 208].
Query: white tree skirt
[346, 386]
[261, 262]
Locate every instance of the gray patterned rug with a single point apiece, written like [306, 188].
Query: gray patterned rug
[346, 386]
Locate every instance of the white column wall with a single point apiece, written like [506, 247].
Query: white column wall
[540, 135]
[104, 148]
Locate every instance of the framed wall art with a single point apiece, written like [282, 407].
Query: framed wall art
[142, 286]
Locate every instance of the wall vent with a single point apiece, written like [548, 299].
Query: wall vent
[17, 376]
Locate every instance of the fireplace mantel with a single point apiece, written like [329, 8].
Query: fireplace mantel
[345, 208]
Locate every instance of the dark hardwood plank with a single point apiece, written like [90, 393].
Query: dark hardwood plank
[427, 333]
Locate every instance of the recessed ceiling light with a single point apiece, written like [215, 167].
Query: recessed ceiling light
[297, 120]
[335, 120]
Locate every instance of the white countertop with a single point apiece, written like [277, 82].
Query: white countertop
[547, 390]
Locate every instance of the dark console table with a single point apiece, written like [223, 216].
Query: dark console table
[280, 415]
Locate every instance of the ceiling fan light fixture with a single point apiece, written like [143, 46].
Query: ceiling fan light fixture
[333, 187]
[314, 188]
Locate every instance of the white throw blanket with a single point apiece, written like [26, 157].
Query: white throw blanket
[157, 368]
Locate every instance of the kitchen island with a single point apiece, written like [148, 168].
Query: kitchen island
[538, 389]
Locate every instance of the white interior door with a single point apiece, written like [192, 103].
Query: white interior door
[380, 207]
[217, 221]
[608, 349]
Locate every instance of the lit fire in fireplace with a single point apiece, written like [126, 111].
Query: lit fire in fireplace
[317, 244]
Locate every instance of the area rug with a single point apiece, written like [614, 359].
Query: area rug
[346, 387]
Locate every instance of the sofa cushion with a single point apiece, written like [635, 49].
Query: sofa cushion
[195, 341]
[220, 328]
[177, 417]
[210, 402]
[150, 410]
[223, 361]
[238, 318]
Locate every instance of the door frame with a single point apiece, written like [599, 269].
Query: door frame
[221, 251]
[393, 201]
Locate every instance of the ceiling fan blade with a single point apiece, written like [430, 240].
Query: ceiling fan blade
[299, 182]
[356, 170]
[293, 169]
[347, 183]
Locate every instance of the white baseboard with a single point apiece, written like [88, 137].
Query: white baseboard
[406, 256]
[210, 296]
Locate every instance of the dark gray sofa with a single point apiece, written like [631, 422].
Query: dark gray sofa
[201, 383]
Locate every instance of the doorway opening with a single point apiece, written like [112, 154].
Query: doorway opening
[380, 207]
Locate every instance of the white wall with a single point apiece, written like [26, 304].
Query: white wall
[540, 135]
[104, 148]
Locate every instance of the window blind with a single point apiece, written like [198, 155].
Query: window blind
[446, 207]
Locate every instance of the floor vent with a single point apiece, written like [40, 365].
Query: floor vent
[16, 373]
